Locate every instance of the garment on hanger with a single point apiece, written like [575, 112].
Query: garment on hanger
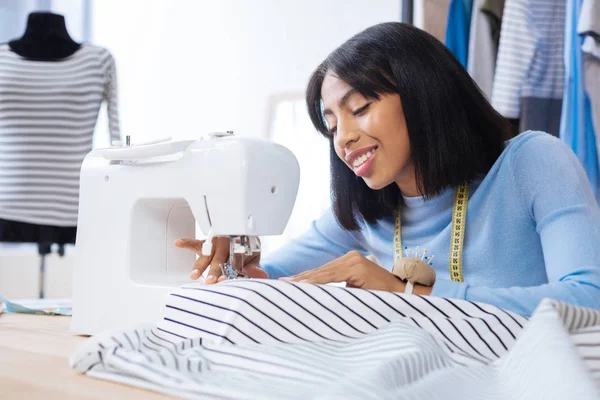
[529, 79]
[433, 17]
[458, 29]
[576, 126]
[589, 28]
[493, 10]
[484, 38]
[48, 111]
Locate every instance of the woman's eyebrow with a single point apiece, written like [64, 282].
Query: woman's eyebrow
[343, 101]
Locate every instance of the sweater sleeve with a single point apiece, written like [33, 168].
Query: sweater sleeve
[110, 95]
[324, 241]
[554, 190]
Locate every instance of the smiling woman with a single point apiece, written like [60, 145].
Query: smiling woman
[424, 171]
[387, 135]
[397, 89]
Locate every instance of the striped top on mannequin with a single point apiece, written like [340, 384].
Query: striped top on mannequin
[48, 111]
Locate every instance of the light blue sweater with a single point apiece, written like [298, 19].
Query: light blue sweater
[532, 231]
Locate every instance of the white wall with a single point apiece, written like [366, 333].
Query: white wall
[187, 67]
[73, 11]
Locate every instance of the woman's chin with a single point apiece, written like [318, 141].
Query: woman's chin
[375, 184]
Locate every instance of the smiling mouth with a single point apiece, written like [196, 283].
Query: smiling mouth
[359, 161]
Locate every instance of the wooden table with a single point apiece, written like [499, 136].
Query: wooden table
[34, 353]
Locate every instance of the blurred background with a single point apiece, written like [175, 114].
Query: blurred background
[188, 67]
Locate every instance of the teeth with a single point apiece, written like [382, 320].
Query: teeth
[360, 160]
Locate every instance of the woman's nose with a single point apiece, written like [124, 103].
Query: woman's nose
[346, 134]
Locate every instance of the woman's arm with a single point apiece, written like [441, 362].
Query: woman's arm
[324, 241]
[554, 189]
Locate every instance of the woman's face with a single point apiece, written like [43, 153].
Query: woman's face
[369, 135]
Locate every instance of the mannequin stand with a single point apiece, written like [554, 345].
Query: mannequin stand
[42, 235]
[43, 250]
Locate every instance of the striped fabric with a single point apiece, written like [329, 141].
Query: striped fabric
[261, 339]
[530, 55]
[48, 111]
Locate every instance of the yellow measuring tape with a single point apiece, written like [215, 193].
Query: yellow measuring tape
[457, 238]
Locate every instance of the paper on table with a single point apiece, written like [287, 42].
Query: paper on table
[38, 306]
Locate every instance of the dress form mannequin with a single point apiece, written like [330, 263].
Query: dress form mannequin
[45, 39]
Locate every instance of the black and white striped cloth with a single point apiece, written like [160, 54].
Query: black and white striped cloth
[260, 339]
[48, 111]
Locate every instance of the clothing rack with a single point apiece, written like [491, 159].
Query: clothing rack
[552, 88]
[407, 9]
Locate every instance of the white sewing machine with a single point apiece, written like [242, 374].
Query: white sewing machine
[136, 200]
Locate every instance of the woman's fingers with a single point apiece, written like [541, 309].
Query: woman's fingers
[324, 276]
[332, 265]
[196, 246]
[203, 261]
[334, 271]
[199, 266]
[243, 262]
[195, 274]
[191, 244]
[255, 272]
[252, 268]
[214, 272]
[220, 257]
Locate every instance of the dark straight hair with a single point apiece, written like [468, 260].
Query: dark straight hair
[455, 134]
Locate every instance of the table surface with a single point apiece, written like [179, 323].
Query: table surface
[34, 354]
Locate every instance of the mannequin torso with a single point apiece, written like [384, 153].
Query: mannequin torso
[45, 39]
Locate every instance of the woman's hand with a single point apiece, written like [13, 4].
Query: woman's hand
[354, 269]
[220, 255]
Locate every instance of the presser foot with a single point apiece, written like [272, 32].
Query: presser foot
[230, 272]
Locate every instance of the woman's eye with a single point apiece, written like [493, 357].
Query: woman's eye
[333, 130]
[362, 110]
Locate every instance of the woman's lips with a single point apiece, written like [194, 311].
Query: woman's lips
[362, 164]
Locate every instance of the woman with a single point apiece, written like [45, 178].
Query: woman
[407, 128]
